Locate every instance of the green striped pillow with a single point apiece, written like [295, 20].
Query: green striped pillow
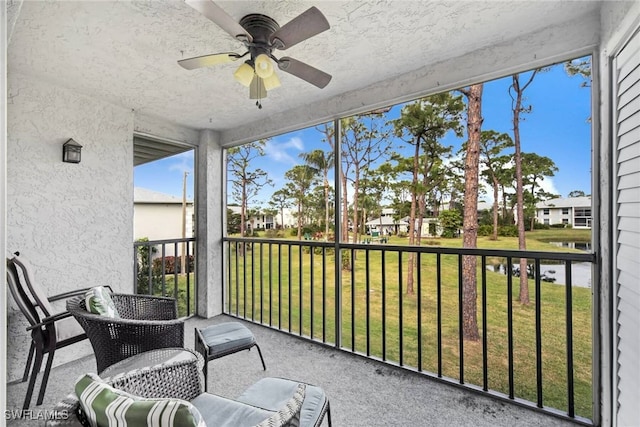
[98, 301]
[105, 406]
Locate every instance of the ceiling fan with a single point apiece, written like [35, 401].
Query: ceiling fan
[261, 35]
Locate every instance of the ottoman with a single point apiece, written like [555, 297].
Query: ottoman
[220, 340]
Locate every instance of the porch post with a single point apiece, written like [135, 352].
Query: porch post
[209, 203]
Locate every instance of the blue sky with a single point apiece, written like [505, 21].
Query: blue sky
[557, 127]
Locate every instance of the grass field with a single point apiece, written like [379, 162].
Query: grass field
[291, 289]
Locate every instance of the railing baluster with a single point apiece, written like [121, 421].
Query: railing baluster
[384, 305]
[569, 320]
[238, 278]
[538, 308]
[324, 294]
[253, 280]
[367, 303]
[353, 300]
[279, 286]
[163, 272]
[188, 282]
[261, 283]
[485, 355]
[244, 280]
[460, 320]
[230, 272]
[175, 269]
[289, 296]
[510, 324]
[312, 284]
[400, 304]
[271, 284]
[419, 307]
[300, 303]
[439, 308]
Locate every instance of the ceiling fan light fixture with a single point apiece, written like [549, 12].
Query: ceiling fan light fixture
[244, 74]
[264, 66]
[271, 82]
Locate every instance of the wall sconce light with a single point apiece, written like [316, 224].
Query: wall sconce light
[71, 151]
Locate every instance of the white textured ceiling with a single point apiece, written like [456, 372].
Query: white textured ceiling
[126, 51]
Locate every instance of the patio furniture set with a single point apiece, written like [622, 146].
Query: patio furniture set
[145, 375]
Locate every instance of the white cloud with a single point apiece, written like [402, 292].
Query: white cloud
[285, 151]
[182, 162]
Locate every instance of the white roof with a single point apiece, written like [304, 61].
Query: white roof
[385, 221]
[569, 202]
[143, 195]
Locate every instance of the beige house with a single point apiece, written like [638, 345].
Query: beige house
[159, 216]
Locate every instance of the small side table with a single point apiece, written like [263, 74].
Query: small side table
[220, 340]
[145, 374]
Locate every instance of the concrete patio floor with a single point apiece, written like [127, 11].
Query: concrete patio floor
[362, 392]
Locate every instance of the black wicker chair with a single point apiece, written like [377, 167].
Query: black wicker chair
[145, 323]
[50, 329]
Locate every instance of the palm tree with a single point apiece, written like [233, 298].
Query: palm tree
[322, 162]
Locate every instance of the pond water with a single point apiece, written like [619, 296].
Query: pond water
[582, 246]
[555, 273]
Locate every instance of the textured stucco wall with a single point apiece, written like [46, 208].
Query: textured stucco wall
[72, 221]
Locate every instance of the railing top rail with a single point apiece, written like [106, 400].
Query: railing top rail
[160, 242]
[546, 255]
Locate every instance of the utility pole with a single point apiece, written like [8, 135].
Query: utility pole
[184, 223]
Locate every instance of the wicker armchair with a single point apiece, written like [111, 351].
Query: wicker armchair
[272, 402]
[145, 323]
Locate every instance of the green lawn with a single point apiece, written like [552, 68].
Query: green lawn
[272, 293]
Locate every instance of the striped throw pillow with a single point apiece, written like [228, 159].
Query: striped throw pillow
[105, 406]
[98, 301]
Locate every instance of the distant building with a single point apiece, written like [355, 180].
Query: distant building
[262, 221]
[158, 216]
[573, 211]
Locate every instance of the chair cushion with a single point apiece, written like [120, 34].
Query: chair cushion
[98, 301]
[68, 328]
[221, 412]
[272, 393]
[227, 338]
[289, 414]
[105, 406]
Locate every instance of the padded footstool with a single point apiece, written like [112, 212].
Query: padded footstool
[272, 393]
[220, 340]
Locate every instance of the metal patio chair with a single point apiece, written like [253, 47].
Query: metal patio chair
[144, 323]
[49, 330]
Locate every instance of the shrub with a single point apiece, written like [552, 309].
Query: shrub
[559, 225]
[170, 264]
[508, 231]
[485, 230]
[273, 233]
[541, 226]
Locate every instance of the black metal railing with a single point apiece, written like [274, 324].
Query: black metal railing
[537, 354]
[166, 268]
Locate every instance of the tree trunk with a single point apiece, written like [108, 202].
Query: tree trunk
[345, 209]
[470, 221]
[326, 207]
[523, 296]
[495, 209]
[412, 220]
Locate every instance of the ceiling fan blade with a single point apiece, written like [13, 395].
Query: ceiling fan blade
[304, 71]
[300, 28]
[221, 18]
[208, 60]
